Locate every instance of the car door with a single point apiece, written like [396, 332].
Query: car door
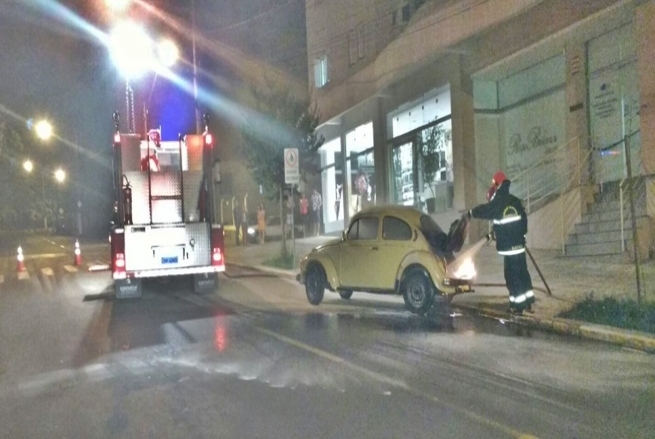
[358, 253]
[397, 239]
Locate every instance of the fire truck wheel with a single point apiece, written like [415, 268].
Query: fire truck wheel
[315, 284]
[346, 294]
[418, 292]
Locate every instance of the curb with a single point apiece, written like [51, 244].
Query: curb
[277, 271]
[622, 337]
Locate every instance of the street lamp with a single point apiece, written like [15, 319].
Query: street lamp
[28, 166]
[118, 5]
[60, 175]
[43, 129]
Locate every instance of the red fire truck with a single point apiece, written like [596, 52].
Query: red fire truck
[164, 219]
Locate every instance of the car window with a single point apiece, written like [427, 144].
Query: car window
[364, 228]
[395, 229]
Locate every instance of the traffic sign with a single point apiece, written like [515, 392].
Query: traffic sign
[291, 166]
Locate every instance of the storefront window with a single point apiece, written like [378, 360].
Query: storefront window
[361, 169]
[520, 125]
[421, 153]
[422, 168]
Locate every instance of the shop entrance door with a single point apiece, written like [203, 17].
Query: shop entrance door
[404, 178]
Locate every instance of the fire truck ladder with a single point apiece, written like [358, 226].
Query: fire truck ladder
[178, 189]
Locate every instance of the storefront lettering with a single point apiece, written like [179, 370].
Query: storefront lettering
[536, 139]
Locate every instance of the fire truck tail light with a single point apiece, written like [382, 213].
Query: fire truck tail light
[217, 257]
[120, 261]
[209, 139]
[117, 138]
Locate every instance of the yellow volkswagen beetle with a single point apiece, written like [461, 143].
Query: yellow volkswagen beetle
[390, 250]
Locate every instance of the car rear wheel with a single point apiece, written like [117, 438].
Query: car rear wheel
[315, 284]
[418, 291]
[346, 294]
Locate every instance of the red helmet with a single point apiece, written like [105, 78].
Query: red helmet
[499, 177]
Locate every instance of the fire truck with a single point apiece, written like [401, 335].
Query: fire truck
[164, 217]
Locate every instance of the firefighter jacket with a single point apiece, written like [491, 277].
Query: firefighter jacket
[510, 222]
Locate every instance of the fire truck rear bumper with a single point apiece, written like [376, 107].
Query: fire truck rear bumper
[169, 272]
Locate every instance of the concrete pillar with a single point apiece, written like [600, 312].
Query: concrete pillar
[464, 169]
[381, 154]
[346, 181]
[577, 123]
[645, 42]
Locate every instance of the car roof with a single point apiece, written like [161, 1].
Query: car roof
[407, 213]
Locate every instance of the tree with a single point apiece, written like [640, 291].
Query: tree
[279, 119]
[431, 143]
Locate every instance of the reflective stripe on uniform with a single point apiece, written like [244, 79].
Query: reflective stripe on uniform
[522, 297]
[511, 252]
[509, 219]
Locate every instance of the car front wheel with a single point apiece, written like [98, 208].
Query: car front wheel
[315, 284]
[418, 291]
[346, 294]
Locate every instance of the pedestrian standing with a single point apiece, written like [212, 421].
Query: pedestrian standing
[316, 203]
[304, 205]
[261, 223]
[238, 217]
[510, 225]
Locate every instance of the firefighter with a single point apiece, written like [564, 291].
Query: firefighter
[510, 225]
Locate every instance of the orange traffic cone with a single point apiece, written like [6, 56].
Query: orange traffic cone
[78, 253]
[20, 260]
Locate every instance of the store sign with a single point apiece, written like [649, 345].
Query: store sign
[291, 166]
[532, 131]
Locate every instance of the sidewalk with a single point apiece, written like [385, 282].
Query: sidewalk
[570, 280]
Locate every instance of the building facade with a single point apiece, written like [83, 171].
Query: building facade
[527, 86]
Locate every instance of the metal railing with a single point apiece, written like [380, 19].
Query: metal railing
[571, 166]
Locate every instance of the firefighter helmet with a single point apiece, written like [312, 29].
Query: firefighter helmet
[499, 177]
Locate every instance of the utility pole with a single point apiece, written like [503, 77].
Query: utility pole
[195, 66]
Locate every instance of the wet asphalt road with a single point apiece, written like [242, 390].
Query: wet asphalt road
[255, 360]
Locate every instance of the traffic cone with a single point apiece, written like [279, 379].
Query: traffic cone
[20, 260]
[78, 253]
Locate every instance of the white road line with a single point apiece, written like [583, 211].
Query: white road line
[2, 279]
[47, 271]
[23, 275]
[70, 268]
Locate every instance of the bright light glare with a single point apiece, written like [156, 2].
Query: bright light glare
[43, 129]
[465, 270]
[60, 175]
[131, 49]
[28, 165]
[118, 5]
[168, 53]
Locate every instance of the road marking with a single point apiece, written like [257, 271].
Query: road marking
[2, 279]
[47, 271]
[23, 275]
[70, 268]
[390, 381]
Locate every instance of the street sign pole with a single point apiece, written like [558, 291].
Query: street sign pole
[292, 178]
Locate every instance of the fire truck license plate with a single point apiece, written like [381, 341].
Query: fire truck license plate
[169, 260]
[169, 255]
